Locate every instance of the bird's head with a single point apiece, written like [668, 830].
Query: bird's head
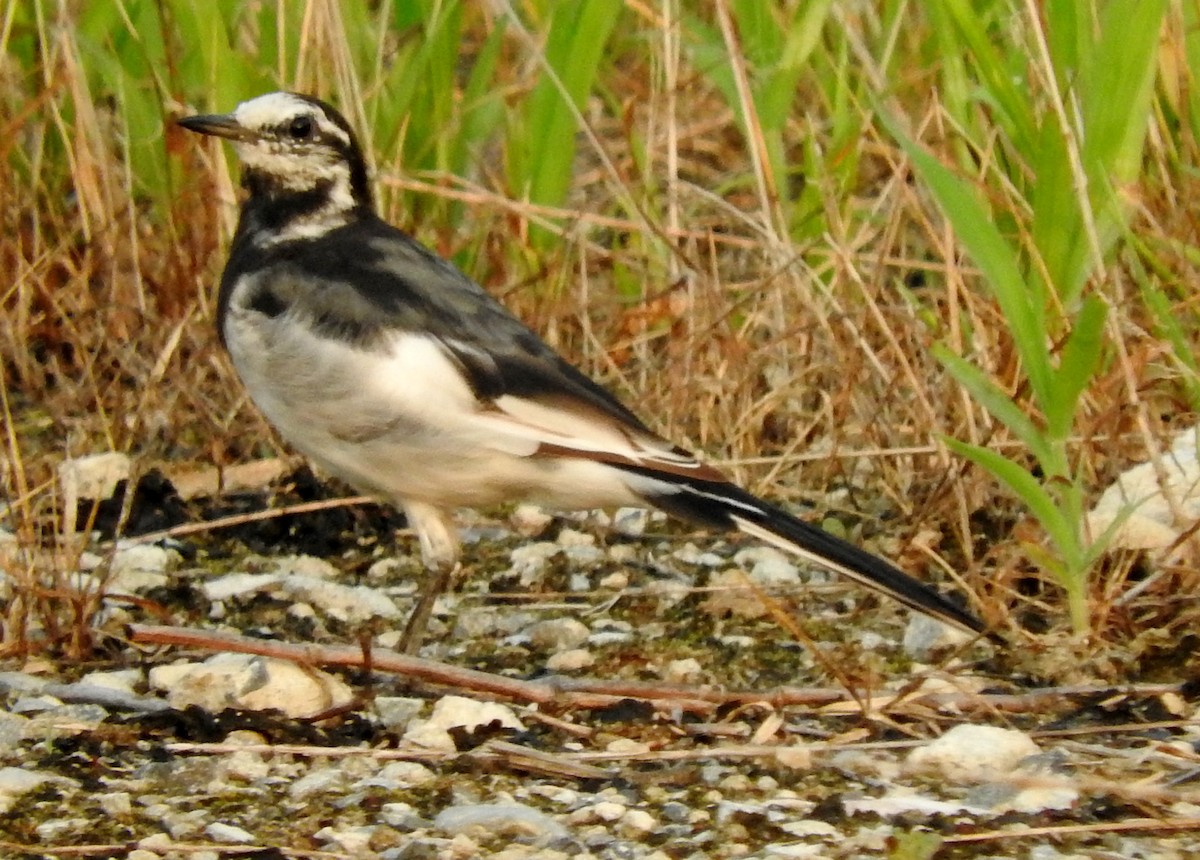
[293, 147]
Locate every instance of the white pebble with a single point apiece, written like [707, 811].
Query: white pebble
[968, 753]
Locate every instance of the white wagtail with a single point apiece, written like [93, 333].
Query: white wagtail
[399, 374]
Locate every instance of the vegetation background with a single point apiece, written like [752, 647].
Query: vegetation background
[923, 267]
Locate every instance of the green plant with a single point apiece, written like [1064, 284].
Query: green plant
[1044, 233]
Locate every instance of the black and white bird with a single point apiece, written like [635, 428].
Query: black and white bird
[396, 372]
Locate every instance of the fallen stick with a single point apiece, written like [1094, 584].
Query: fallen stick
[593, 693]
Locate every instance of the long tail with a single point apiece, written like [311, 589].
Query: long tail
[726, 506]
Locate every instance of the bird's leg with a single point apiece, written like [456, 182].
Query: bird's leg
[439, 551]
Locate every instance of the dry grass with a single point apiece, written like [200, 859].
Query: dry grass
[801, 365]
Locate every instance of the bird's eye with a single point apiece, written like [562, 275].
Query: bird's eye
[301, 128]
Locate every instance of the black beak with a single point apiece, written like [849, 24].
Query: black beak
[217, 124]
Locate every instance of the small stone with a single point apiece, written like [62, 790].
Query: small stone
[115, 803]
[324, 780]
[528, 562]
[573, 537]
[250, 682]
[530, 520]
[639, 821]
[584, 555]
[245, 766]
[385, 569]
[13, 729]
[239, 585]
[492, 819]
[924, 636]
[631, 521]
[16, 781]
[95, 476]
[768, 566]
[617, 580]
[627, 746]
[396, 712]
[228, 834]
[685, 671]
[402, 816]
[968, 753]
[558, 634]
[397, 775]
[140, 567]
[58, 828]
[353, 604]
[305, 566]
[355, 841]
[156, 842]
[623, 553]
[573, 660]
[869, 640]
[458, 712]
[608, 810]
[123, 680]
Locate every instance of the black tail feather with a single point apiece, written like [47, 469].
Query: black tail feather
[726, 506]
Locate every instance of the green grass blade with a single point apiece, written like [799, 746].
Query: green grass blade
[998, 403]
[1077, 365]
[975, 227]
[1027, 488]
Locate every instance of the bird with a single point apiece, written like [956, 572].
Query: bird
[393, 370]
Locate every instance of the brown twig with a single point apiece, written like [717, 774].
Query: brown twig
[1147, 824]
[592, 693]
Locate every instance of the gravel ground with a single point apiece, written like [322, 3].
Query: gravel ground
[888, 738]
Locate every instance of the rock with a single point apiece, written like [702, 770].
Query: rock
[573, 537]
[323, 780]
[13, 730]
[731, 595]
[584, 555]
[398, 775]
[767, 566]
[638, 821]
[15, 781]
[451, 712]
[396, 712]
[122, 680]
[228, 834]
[140, 567]
[401, 816]
[924, 636]
[301, 578]
[1150, 506]
[353, 604]
[617, 580]
[250, 682]
[95, 476]
[558, 634]
[968, 753]
[505, 819]
[623, 553]
[306, 566]
[530, 520]
[607, 810]
[573, 660]
[239, 585]
[689, 553]
[527, 563]
[116, 803]
[631, 521]
[686, 671]
[355, 841]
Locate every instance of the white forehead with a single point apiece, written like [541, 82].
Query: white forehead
[276, 109]
[271, 109]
